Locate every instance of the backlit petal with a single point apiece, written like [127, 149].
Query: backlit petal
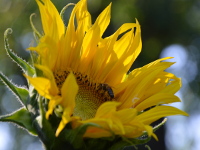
[158, 112]
[52, 23]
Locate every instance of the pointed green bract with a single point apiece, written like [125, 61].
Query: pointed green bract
[22, 118]
[65, 8]
[27, 69]
[21, 93]
[36, 33]
[159, 125]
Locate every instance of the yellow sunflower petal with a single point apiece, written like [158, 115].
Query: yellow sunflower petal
[94, 132]
[155, 136]
[103, 128]
[106, 109]
[53, 25]
[104, 68]
[164, 83]
[43, 86]
[75, 37]
[131, 43]
[83, 18]
[160, 98]
[158, 112]
[126, 54]
[69, 39]
[92, 38]
[65, 119]
[48, 73]
[69, 91]
[103, 20]
[173, 85]
[127, 115]
[149, 130]
[142, 82]
[133, 130]
[136, 45]
[52, 104]
[108, 118]
[109, 123]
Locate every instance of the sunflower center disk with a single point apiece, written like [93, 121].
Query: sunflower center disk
[90, 95]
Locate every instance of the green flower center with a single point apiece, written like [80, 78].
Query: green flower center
[90, 95]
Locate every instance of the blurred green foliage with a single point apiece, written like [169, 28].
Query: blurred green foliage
[162, 23]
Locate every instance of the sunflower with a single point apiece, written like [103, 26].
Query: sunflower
[87, 77]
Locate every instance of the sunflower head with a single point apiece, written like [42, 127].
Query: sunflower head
[83, 88]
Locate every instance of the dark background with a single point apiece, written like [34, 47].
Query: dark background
[169, 28]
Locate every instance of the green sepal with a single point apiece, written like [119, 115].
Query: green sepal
[65, 8]
[21, 93]
[159, 125]
[27, 68]
[22, 118]
[36, 33]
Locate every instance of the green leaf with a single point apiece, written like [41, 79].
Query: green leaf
[21, 93]
[27, 68]
[141, 140]
[22, 118]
